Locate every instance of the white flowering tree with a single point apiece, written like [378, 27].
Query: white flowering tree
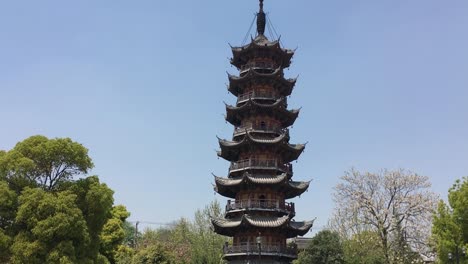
[396, 205]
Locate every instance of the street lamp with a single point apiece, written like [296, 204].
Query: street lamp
[259, 244]
[458, 254]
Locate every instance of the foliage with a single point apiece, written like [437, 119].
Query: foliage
[8, 207]
[54, 229]
[396, 205]
[458, 200]
[124, 254]
[154, 254]
[154, 236]
[325, 247]
[188, 241]
[450, 229]
[363, 248]
[130, 234]
[46, 163]
[113, 233]
[206, 245]
[95, 201]
[45, 216]
[5, 242]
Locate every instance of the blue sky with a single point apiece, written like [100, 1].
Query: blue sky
[382, 84]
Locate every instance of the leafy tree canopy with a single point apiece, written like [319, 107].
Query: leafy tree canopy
[458, 200]
[187, 241]
[154, 254]
[53, 229]
[96, 200]
[43, 162]
[206, 244]
[364, 248]
[450, 225]
[325, 247]
[46, 216]
[113, 232]
[8, 205]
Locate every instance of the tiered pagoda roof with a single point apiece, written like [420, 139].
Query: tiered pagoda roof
[284, 225]
[230, 150]
[240, 55]
[229, 187]
[235, 114]
[237, 84]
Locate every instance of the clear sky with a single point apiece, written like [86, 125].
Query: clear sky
[383, 84]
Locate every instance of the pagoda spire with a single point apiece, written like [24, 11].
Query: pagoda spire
[261, 20]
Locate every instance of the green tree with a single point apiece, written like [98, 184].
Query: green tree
[124, 254]
[325, 247]
[206, 244]
[154, 236]
[450, 225]
[43, 162]
[180, 241]
[458, 200]
[363, 248]
[176, 239]
[95, 200]
[113, 232]
[154, 254]
[45, 216]
[53, 229]
[5, 242]
[130, 234]
[188, 241]
[8, 207]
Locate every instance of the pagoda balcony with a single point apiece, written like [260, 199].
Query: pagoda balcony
[258, 95]
[261, 164]
[260, 66]
[262, 250]
[263, 129]
[261, 204]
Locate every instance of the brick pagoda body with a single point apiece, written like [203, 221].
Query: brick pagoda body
[259, 217]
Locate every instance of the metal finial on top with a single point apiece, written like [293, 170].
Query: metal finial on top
[261, 20]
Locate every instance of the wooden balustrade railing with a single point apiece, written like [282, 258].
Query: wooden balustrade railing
[265, 128]
[259, 249]
[258, 65]
[257, 94]
[260, 204]
[261, 164]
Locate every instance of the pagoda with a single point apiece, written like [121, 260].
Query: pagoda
[259, 219]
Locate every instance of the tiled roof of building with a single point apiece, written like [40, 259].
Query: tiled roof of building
[287, 117]
[287, 226]
[230, 149]
[236, 83]
[261, 42]
[230, 186]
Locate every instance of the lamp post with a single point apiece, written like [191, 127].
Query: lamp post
[259, 244]
[458, 254]
[135, 239]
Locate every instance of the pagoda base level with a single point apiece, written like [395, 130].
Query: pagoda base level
[252, 258]
[258, 261]
[277, 256]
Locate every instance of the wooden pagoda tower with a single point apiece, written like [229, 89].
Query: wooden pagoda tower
[260, 219]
